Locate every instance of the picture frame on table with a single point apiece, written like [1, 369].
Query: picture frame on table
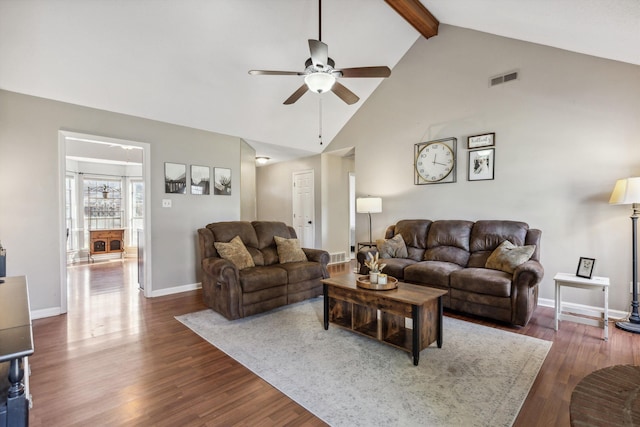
[481, 165]
[585, 267]
[480, 141]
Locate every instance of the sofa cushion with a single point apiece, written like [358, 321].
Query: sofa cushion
[302, 271]
[262, 277]
[227, 230]
[395, 266]
[265, 231]
[433, 273]
[448, 241]
[487, 235]
[508, 256]
[289, 250]
[236, 252]
[413, 231]
[482, 281]
[392, 248]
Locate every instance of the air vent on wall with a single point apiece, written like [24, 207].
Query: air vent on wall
[503, 78]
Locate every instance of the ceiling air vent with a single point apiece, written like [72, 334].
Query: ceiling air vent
[503, 78]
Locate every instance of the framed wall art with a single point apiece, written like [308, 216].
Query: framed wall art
[435, 161]
[200, 180]
[175, 178]
[585, 267]
[479, 141]
[481, 165]
[222, 181]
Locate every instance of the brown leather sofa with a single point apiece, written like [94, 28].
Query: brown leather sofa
[269, 284]
[452, 255]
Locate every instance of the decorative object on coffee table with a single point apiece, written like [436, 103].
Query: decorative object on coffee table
[627, 192]
[375, 266]
[365, 283]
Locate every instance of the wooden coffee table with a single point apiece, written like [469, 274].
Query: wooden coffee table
[381, 314]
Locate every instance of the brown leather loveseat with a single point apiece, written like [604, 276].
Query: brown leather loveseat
[266, 281]
[454, 254]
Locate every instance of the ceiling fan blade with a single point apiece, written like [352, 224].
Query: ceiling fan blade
[296, 95]
[274, 73]
[345, 94]
[319, 52]
[366, 72]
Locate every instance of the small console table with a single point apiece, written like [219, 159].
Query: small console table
[16, 343]
[573, 281]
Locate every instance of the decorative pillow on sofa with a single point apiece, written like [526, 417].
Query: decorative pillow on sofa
[508, 256]
[392, 248]
[236, 252]
[289, 250]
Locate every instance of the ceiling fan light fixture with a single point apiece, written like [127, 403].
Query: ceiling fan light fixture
[319, 82]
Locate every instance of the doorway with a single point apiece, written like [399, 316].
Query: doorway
[304, 208]
[120, 170]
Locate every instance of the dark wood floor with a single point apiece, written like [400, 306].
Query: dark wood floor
[117, 358]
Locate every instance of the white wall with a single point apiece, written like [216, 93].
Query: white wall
[248, 208]
[29, 194]
[564, 133]
[274, 191]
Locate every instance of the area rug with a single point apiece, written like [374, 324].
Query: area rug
[480, 376]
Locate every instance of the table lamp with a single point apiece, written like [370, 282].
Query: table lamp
[627, 192]
[369, 205]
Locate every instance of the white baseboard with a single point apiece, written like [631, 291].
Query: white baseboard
[45, 312]
[585, 310]
[175, 290]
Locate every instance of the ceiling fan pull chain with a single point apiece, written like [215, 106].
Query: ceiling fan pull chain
[320, 119]
[319, 20]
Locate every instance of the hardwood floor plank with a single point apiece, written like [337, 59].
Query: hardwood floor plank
[118, 358]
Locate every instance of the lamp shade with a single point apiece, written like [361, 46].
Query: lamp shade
[626, 192]
[319, 82]
[368, 205]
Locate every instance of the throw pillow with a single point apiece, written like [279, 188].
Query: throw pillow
[392, 248]
[508, 256]
[289, 250]
[236, 252]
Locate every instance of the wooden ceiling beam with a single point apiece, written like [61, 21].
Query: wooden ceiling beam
[417, 15]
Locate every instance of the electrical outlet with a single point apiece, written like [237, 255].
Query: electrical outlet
[166, 203]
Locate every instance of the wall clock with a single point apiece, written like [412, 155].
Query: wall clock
[435, 161]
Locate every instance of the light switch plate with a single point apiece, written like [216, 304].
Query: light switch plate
[166, 203]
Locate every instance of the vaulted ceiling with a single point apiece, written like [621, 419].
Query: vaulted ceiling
[186, 61]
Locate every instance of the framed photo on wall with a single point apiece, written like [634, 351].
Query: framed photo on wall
[175, 178]
[222, 181]
[585, 267]
[200, 180]
[481, 165]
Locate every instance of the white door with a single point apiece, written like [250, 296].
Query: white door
[303, 208]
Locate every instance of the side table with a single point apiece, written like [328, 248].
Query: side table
[573, 281]
[367, 244]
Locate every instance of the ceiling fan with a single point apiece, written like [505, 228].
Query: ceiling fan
[320, 74]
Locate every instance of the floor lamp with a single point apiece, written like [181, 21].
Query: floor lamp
[627, 192]
[369, 205]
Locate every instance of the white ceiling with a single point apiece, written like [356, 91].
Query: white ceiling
[186, 61]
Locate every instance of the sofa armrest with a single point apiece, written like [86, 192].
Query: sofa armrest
[528, 274]
[319, 256]
[361, 256]
[221, 286]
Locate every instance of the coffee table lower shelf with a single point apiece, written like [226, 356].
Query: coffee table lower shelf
[381, 315]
